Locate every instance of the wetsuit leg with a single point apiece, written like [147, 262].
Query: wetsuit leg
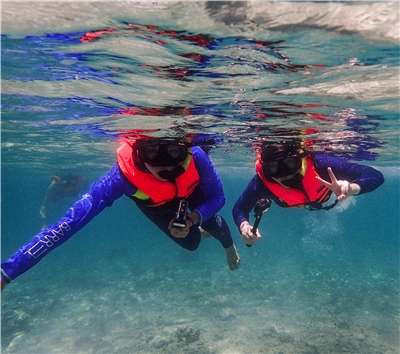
[216, 225]
[161, 216]
[219, 229]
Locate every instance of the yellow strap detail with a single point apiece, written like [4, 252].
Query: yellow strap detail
[303, 168]
[185, 164]
[140, 195]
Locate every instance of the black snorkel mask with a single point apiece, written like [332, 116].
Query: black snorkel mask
[281, 160]
[282, 167]
[162, 152]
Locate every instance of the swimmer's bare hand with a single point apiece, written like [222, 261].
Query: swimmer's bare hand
[248, 237]
[343, 189]
[179, 232]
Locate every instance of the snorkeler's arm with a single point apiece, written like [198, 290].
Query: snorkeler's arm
[210, 185]
[50, 193]
[243, 206]
[361, 178]
[101, 194]
[248, 199]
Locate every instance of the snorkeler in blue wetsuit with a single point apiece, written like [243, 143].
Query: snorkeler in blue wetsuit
[157, 174]
[290, 177]
[61, 186]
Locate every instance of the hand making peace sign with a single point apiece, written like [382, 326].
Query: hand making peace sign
[343, 189]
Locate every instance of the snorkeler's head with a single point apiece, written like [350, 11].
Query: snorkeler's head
[162, 152]
[281, 160]
[163, 157]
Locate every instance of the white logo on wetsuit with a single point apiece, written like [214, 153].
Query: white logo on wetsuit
[218, 219]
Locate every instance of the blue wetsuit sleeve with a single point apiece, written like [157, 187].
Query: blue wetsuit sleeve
[368, 178]
[101, 194]
[210, 186]
[248, 199]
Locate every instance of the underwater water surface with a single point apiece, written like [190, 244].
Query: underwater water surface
[77, 77]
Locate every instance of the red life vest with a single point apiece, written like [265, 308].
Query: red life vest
[315, 192]
[150, 188]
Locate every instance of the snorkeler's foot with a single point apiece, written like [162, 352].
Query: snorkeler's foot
[204, 233]
[232, 257]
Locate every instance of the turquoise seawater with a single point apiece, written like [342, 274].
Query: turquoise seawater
[76, 77]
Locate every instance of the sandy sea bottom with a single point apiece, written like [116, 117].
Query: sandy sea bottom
[190, 308]
[293, 296]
